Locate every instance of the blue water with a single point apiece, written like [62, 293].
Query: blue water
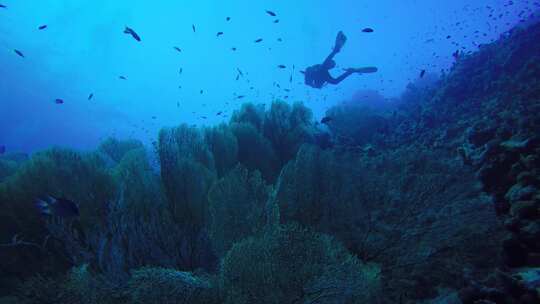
[84, 51]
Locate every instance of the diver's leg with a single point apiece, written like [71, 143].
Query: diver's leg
[342, 77]
[340, 42]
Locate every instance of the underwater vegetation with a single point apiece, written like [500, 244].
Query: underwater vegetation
[433, 198]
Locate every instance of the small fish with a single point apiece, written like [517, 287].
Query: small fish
[422, 73]
[281, 66]
[130, 31]
[60, 207]
[368, 30]
[233, 49]
[193, 27]
[326, 120]
[59, 101]
[456, 55]
[203, 117]
[448, 37]
[42, 27]
[219, 113]
[240, 96]
[179, 50]
[3, 6]
[258, 40]
[240, 72]
[90, 96]
[202, 91]
[19, 53]
[228, 19]
[2, 149]
[219, 34]
[237, 76]
[154, 117]
[279, 40]
[122, 77]
[276, 21]
[271, 13]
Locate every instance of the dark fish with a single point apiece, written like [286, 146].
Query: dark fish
[456, 55]
[422, 73]
[202, 91]
[59, 101]
[122, 77]
[90, 96]
[131, 32]
[368, 30]
[61, 207]
[19, 53]
[2, 149]
[271, 13]
[193, 27]
[219, 113]
[234, 49]
[203, 117]
[240, 72]
[219, 34]
[326, 119]
[2, 6]
[448, 37]
[240, 96]
[154, 117]
[42, 27]
[281, 66]
[279, 39]
[258, 40]
[237, 76]
[228, 18]
[276, 21]
[179, 50]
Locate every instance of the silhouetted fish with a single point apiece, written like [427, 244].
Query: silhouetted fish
[59, 101]
[42, 27]
[179, 50]
[281, 66]
[240, 96]
[240, 72]
[276, 21]
[131, 32]
[233, 49]
[258, 40]
[228, 18]
[368, 30]
[19, 53]
[193, 27]
[2, 6]
[422, 73]
[53, 206]
[219, 34]
[326, 120]
[271, 13]
[90, 96]
[279, 39]
[122, 77]
[219, 113]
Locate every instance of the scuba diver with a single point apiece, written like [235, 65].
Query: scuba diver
[317, 76]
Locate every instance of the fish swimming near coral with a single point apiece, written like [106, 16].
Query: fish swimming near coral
[60, 207]
[326, 120]
[130, 31]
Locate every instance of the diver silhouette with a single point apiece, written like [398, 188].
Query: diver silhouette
[318, 75]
